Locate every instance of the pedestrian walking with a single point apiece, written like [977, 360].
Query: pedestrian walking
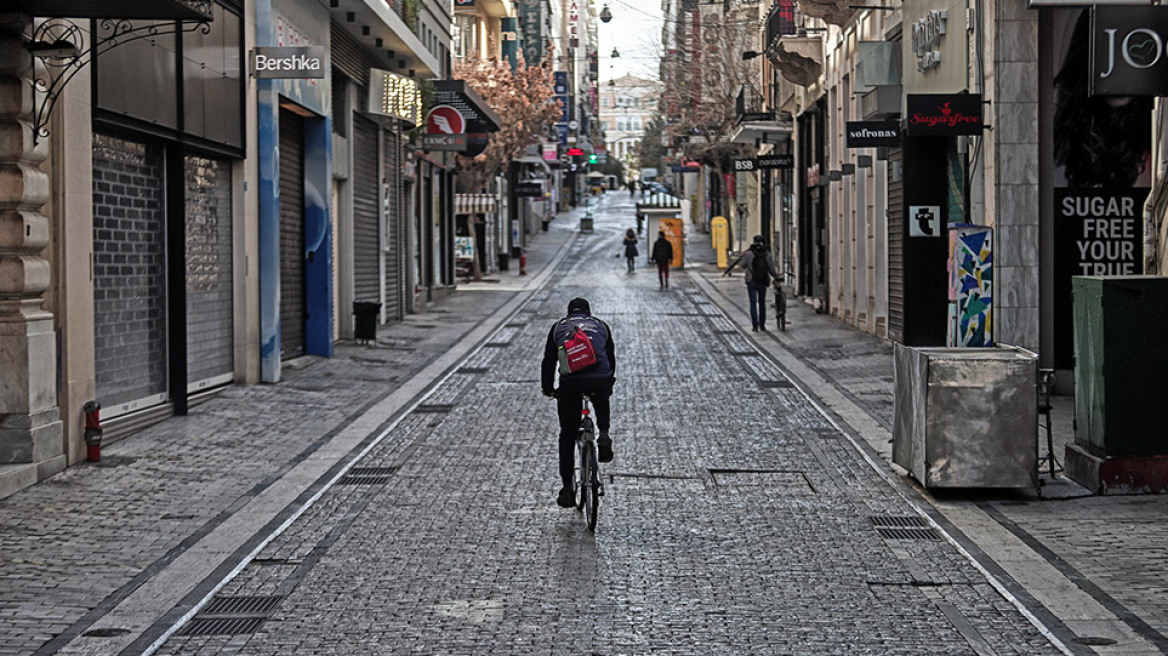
[632, 188]
[663, 257]
[760, 268]
[595, 381]
[631, 252]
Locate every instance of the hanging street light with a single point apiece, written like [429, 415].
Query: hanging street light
[605, 14]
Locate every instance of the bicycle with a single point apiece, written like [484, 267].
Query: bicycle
[586, 479]
[780, 306]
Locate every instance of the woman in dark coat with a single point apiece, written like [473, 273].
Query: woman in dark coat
[631, 252]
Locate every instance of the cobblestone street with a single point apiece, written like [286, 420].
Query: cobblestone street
[400, 500]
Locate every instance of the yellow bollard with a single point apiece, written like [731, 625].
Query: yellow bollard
[720, 236]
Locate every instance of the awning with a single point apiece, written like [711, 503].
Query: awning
[475, 203]
[479, 116]
[129, 9]
[762, 132]
[659, 201]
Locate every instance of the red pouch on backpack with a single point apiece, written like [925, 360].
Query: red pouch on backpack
[576, 353]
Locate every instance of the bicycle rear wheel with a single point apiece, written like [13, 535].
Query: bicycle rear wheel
[580, 474]
[590, 476]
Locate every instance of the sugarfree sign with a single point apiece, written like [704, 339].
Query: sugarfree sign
[306, 62]
[1128, 51]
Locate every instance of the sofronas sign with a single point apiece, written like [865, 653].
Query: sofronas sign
[1128, 51]
[944, 115]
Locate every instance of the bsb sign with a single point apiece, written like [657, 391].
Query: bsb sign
[1128, 56]
[270, 63]
[944, 115]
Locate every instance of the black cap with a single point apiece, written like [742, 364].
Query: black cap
[579, 306]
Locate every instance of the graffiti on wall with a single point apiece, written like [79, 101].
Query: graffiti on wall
[971, 286]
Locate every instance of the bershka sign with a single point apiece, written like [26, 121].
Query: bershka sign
[305, 62]
[1128, 56]
[943, 115]
[873, 134]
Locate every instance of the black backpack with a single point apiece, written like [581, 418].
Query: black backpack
[759, 273]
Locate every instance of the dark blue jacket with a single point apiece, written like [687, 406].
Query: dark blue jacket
[601, 337]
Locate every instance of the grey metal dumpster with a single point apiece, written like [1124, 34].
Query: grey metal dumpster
[966, 417]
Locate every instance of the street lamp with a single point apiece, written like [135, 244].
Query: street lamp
[605, 14]
[615, 53]
[750, 54]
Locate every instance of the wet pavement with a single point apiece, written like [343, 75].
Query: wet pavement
[399, 498]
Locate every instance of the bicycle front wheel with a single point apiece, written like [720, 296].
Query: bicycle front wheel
[590, 477]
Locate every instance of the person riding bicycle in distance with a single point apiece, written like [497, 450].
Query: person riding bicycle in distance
[595, 381]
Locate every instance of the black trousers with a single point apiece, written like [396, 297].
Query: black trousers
[569, 398]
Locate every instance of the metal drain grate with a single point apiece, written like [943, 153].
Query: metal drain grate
[206, 626]
[744, 353]
[909, 533]
[776, 384]
[905, 527]
[241, 606]
[901, 521]
[367, 476]
[473, 370]
[496, 344]
[434, 407]
[231, 616]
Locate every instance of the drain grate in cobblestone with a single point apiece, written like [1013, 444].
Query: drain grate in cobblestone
[898, 521]
[241, 605]
[207, 626]
[684, 314]
[473, 370]
[496, 344]
[231, 616]
[367, 476]
[776, 384]
[744, 353]
[434, 407]
[893, 527]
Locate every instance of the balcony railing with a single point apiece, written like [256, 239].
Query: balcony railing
[781, 21]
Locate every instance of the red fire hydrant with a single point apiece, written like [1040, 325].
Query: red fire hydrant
[522, 263]
[92, 431]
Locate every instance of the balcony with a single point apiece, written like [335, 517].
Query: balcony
[799, 59]
[378, 25]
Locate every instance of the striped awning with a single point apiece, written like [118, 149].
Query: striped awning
[659, 201]
[475, 203]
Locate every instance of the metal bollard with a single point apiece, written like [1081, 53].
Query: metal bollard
[92, 431]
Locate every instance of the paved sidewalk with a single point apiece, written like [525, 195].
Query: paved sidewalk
[1097, 563]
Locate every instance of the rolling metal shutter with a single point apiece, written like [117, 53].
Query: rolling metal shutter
[366, 236]
[210, 344]
[129, 274]
[895, 247]
[293, 306]
[395, 278]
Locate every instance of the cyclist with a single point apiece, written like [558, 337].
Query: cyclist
[596, 381]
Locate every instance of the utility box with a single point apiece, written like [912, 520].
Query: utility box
[966, 417]
[1121, 365]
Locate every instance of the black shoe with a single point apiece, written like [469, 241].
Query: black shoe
[754, 328]
[604, 448]
[567, 498]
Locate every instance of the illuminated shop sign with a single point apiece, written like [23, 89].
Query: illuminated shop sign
[280, 63]
[393, 95]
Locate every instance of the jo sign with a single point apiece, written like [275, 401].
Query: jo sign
[1128, 56]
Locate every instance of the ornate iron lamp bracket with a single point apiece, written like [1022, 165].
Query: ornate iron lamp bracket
[63, 49]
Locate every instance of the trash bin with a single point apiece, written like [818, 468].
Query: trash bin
[504, 262]
[966, 417]
[366, 324]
